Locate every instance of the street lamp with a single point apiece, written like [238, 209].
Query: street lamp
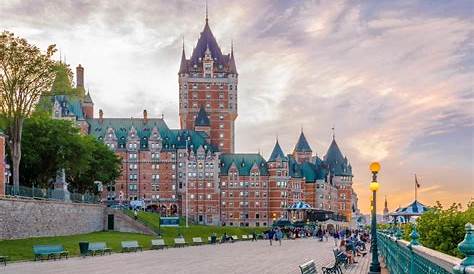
[374, 186]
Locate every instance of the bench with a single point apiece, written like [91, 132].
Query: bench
[128, 246]
[308, 268]
[98, 248]
[244, 237]
[197, 241]
[340, 258]
[49, 252]
[158, 244]
[179, 242]
[336, 269]
[235, 237]
[3, 259]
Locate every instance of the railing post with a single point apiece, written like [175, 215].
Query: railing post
[467, 248]
[414, 241]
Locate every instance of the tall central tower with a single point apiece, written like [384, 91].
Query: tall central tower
[208, 80]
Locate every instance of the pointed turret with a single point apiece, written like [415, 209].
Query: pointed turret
[337, 163]
[88, 98]
[302, 144]
[183, 67]
[302, 151]
[206, 40]
[277, 153]
[88, 106]
[232, 66]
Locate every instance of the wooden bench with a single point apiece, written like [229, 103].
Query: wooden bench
[197, 241]
[179, 242]
[235, 238]
[245, 237]
[336, 269]
[308, 268]
[49, 252]
[158, 244]
[98, 248]
[128, 246]
[3, 259]
[340, 258]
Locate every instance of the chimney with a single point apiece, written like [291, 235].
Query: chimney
[79, 76]
[101, 116]
[145, 116]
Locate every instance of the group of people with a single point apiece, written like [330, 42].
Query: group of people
[352, 244]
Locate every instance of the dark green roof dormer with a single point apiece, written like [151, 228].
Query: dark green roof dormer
[302, 145]
[243, 162]
[277, 153]
[202, 119]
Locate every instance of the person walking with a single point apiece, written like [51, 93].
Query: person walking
[279, 236]
[135, 213]
[254, 236]
[270, 234]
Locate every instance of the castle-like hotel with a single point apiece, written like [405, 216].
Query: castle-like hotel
[196, 165]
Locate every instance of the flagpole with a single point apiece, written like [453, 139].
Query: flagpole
[416, 188]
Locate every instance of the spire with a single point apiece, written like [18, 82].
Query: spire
[302, 144]
[207, 13]
[202, 119]
[88, 98]
[333, 133]
[183, 68]
[277, 153]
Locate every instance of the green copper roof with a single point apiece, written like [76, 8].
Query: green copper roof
[171, 138]
[277, 153]
[243, 162]
[70, 106]
[202, 119]
[302, 145]
[310, 171]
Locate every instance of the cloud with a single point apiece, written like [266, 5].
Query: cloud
[394, 77]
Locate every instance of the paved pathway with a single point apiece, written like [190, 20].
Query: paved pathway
[241, 257]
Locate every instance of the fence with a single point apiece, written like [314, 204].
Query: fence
[50, 194]
[401, 256]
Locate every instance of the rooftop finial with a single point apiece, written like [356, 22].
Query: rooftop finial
[206, 12]
[333, 132]
[301, 128]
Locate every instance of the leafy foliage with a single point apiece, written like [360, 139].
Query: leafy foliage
[25, 75]
[443, 229]
[50, 145]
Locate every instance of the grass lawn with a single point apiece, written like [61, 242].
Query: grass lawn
[22, 249]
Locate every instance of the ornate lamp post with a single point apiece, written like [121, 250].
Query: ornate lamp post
[374, 186]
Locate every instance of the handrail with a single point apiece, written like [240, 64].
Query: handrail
[410, 257]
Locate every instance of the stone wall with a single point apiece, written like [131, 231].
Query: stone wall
[34, 218]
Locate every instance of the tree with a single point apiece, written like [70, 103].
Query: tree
[25, 74]
[50, 145]
[442, 229]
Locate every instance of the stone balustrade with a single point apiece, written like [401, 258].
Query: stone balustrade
[401, 256]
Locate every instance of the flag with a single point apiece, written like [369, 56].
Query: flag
[416, 182]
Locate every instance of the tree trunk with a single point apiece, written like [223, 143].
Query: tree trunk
[16, 129]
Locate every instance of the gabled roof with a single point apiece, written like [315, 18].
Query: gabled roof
[302, 144]
[244, 163]
[202, 119]
[277, 153]
[207, 40]
[414, 209]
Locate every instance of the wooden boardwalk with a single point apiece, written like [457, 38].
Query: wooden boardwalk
[241, 257]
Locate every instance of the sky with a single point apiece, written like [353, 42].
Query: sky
[394, 78]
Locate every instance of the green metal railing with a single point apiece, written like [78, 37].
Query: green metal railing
[50, 194]
[402, 257]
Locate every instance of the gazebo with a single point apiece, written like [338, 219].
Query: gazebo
[298, 210]
[409, 213]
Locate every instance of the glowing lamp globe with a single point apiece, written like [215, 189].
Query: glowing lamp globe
[374, 186]
[375, 167]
